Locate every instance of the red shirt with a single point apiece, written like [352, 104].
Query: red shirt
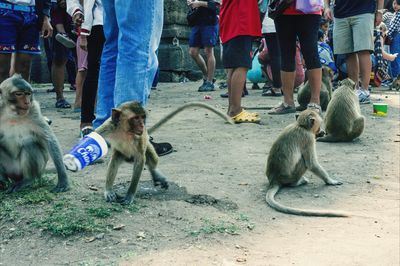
[239, 17]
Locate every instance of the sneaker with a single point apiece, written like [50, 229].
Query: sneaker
[363, 96]
[65, 40]
[162, 148]
[207, 86]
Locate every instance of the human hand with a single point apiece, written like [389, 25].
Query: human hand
[78, 19]
[47, 29]
[328, 13]
[83, 42]
[393, 57]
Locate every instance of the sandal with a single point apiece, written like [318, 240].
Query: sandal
[315, 107]
[63, 104]
[283, 108]
[246, 117]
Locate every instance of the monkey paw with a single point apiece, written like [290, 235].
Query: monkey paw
[61, 188]
[164, 184]
[110, 196]
[127, 200]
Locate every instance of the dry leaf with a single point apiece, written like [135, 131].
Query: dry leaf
[118, 227]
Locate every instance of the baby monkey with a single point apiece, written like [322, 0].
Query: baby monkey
[291, 155]
[129, 139]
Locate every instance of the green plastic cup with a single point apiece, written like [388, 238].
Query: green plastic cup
[380, 109]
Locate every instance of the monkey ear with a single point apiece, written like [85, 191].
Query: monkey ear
[115, 115]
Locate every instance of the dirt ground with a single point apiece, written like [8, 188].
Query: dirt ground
[215, 211]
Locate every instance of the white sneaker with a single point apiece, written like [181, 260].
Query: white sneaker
[363, 96]
[65, 40]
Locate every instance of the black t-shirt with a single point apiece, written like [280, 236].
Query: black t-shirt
[208, 14]
[348, 8]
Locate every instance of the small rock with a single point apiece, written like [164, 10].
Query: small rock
[100, 236]
[141, 235]
[241, 259]
[316, 196]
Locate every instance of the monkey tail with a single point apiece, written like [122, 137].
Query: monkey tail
[185, 106]
[270, 198]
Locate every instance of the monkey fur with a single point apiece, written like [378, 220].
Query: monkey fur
[343, 120]
[129, 140]
[26, 140]
[325, 95]
[291, 155]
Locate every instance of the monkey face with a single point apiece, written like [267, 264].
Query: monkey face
[136, 124]
[22, 100]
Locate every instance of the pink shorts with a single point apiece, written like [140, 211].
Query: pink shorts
[81, 56]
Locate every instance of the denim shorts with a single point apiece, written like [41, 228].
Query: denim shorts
[203, 36]
[18, 32]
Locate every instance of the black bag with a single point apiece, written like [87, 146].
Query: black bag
[193, 17]
[276, 7]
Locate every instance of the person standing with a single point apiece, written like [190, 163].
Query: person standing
[353, 36]
[290, 26]
[21, 22]
[239, 25]
[132, 30]
[204, 34]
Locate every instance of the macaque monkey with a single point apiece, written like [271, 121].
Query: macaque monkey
[325, 95]
[26, 140]
[129, 140]
[343, 120]
[291, 155]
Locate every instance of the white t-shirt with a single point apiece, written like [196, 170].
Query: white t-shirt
[22, 2]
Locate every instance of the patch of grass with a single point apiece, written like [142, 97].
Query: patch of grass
[242, 217]
[65, 221]
[7, 211]
[221, 227]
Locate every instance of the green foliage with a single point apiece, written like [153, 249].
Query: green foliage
[221, 227]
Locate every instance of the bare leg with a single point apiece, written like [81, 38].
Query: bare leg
[236, 79]
[23, 65]
[194, 53]
[57, 76]
[353, 67]
[80, 79]
[209, 51]
[365, 68]
[315, 79]
[287, 86]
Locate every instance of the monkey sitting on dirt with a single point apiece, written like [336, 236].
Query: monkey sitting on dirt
[325, 95]
[129, 139]
[343, 120]
[26, 140]
[291, 155]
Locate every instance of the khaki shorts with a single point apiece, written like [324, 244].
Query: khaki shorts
[353, 34]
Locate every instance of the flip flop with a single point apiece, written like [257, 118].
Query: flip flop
[246, 117]
[282, 109]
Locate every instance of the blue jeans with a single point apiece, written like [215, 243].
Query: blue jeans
[132, 29]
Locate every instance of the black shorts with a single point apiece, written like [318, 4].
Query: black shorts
[237, 52]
